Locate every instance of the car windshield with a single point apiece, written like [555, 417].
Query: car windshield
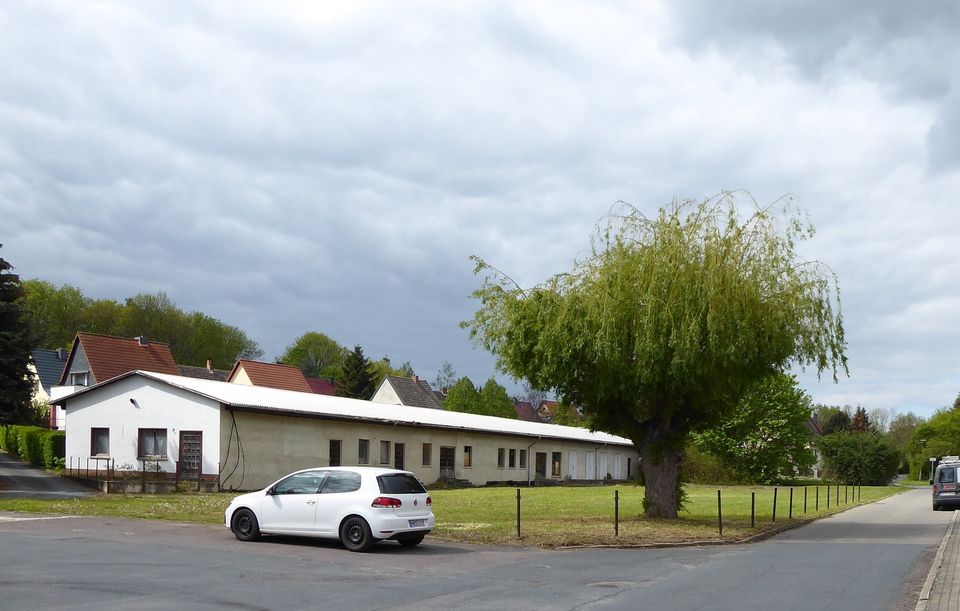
[399, 483]
[948, 475]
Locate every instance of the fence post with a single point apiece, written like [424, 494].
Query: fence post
[518, 513]
[753, 509]
[804, 500]
[143, 476]
[616, 513]
[838, 495]
[719, 514]
[828, 497]
[790, 511]
[816, 499]
[845, 493]
[775, 504]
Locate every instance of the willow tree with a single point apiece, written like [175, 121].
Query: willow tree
[658, 331]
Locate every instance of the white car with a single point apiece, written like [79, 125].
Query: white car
[358, 505]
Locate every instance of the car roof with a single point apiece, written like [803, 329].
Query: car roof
[373, 471]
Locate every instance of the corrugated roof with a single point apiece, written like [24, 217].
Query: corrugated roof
[112, 356]
[415, 393]
[49, 367]
[293, 403]
[272, 375]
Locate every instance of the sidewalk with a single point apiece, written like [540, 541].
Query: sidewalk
[941, 591]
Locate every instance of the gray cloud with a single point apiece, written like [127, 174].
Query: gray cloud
[333, 167]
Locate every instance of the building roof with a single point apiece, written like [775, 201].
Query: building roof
[414, 392]
[203, 373]
[112, 356]
[322, 386]
[272, 375]
[526, 411]
[49, 364]
[309, 405]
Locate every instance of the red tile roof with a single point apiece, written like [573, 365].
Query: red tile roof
[112, 356]
[526, 411]
[322, 386]
[272, 375]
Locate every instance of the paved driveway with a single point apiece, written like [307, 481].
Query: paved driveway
[22, 481]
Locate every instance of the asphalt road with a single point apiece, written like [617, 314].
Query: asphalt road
[873, 557]
[18, 480]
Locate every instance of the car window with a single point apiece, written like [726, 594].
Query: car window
[948, 475]
[300, 483]
[400, 483]
[341, 481]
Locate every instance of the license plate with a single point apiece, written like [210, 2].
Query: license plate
[417, 523]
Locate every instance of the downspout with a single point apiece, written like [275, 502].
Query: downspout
[529, 457]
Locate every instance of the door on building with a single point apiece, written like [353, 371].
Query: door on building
[572, 464]
[542, 464]
[446, 463]
[617, 466]
[398, 455]
[190, 464]
[602, 465]
[591, 466]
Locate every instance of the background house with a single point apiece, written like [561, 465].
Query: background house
[96, 358]
[243, 437]
[270, 375]
[412, 392]
[47, 369]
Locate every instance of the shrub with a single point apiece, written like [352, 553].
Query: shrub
[28, 444]
[859, 458]
[35, 445]
[701, 467]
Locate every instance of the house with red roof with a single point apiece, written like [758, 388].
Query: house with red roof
[271, 375]
[97, 358]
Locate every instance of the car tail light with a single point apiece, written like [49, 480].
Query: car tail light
[386, 501]
[934, 489]
[429, 502]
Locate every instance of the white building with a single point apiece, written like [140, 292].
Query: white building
[243, 437]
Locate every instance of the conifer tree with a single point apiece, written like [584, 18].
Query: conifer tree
[356, 383]
[15, 382]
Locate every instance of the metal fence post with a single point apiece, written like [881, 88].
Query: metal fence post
[753, 509]
[616, 513]
[790, 511]
[518, 513]
[804, 500]
[719, 514]
[775, 504]
[816, 499]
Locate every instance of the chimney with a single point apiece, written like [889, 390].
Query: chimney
[142, 340]
[61, 354]
[416, 380]
[209, 365]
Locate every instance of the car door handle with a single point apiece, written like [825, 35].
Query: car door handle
[311, 502]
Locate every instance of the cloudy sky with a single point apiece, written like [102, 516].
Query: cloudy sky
[301, 166]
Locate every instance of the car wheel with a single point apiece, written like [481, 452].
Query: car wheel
[244, 525]
[411, 541]
[355, 534]
[936, 507]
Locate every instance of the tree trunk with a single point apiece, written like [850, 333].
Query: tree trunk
[660, 458]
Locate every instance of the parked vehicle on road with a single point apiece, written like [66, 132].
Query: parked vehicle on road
[944, 480]
[358, 505]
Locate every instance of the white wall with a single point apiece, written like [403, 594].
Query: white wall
[386, 394]
[155, 405]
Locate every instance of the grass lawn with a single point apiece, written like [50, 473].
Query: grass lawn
[914, 483]
[551, 516]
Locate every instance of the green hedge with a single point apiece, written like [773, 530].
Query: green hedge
[35, 445]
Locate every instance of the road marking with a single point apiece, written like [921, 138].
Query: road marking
[31, 519]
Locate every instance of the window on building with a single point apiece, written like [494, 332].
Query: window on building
[427, 454]
[467, 456]
[513, 459]
[523, 459]
[555, 468]
[152, 443]
[363, 452]
[384, 452]
[501, 458]
[80, 378]
[100, 442]
[334, 452]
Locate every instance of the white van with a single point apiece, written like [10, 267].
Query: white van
[946, 495]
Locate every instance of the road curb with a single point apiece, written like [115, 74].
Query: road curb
[935, 568]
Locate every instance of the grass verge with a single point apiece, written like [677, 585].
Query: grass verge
[550, 517]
